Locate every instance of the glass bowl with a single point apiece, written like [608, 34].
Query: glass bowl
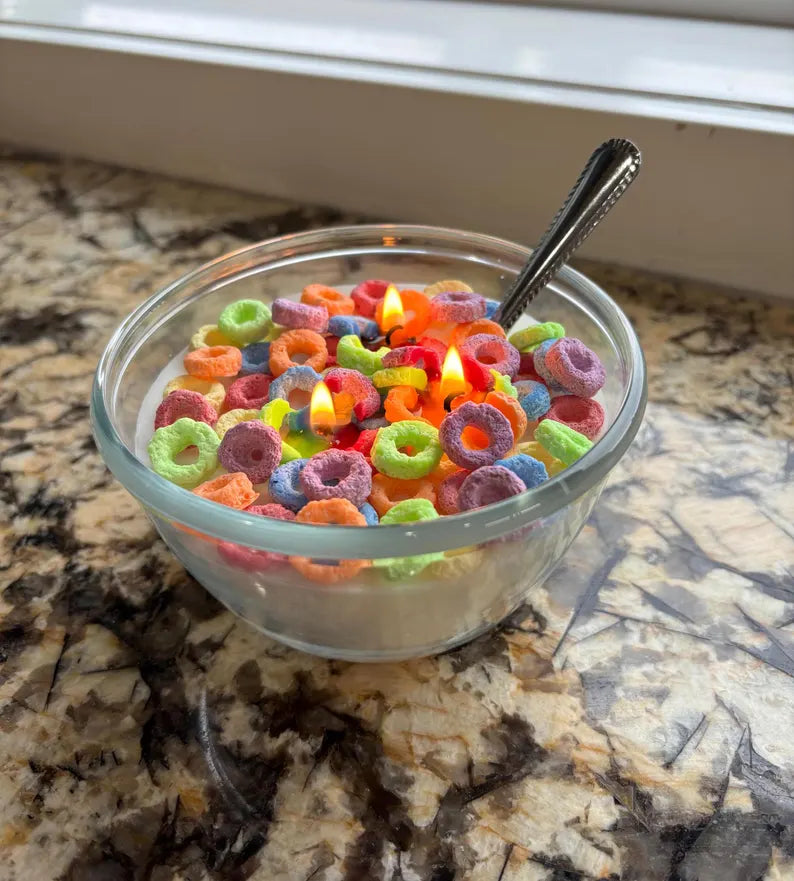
[480, 565]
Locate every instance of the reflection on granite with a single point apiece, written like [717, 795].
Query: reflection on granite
[634, 722]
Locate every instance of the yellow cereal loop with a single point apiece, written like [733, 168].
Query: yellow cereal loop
[456, 564]
[274, 413]
[209, 335]
[534, 449]
[448, 285]
[213, 391]
[232, 418]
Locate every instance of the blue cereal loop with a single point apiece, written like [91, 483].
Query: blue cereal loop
[256, 359]
[533, 397]
[370, 514]
[530, 470]
[490, 307]
[302, 377]
[356, 325]
[284, 485]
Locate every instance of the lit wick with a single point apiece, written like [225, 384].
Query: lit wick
[392, 314]
[322, 415]
[452, 379]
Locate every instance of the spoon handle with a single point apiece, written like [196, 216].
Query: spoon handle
[606, 176]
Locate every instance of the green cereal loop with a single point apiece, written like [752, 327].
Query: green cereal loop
[530, 338]
[170, 440]
[245, 321]
[392, 376]
[409, 511]
[502, 383]
[561, 441]
[288, 453]
[350, 353]
[423, 438]
[305, 444]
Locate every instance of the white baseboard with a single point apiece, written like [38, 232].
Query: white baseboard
[712, 202]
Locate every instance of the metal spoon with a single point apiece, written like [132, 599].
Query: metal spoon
[604, 179]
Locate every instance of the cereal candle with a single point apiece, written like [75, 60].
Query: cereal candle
[419, 407]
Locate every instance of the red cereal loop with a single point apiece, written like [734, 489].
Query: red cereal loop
[184, 403]
[248, 559]
[439, 347]
[294, 342]
[334, 301]
[214, 361]
[387, 491]
[368, 294]
[581, 414]
[425, 358]
[335, 512]
[526, 368]
[345, 437]
[365, 441]
[248, 392]
[271, 509]
[234, 490]
[448, 491]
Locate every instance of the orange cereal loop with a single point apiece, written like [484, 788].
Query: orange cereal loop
[474, 396]
[481, 325]
[510, 408]
[387, 491]
[400, 402]
[213, 362]
[234, 490]
[329, 512]
[413, 302]
[334, 301]
[298, 342]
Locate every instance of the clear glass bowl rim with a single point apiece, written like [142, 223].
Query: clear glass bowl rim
[340, 542]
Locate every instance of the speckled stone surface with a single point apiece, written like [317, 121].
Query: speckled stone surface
[636, 721]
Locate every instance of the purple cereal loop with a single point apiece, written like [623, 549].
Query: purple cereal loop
[300, 316]
[539, 361]
[447, 492]
[489, 420]
[502, 356]
[251, 447]
[457, 306]
[575, 367]
[489, 485]
[348, 467]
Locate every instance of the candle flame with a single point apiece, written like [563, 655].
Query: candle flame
[392, 313]
[452, 380]
[321, 408]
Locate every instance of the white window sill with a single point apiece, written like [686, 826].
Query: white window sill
[475, 115]
[715, 73]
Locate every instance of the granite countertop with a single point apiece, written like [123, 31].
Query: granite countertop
[635, 720]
